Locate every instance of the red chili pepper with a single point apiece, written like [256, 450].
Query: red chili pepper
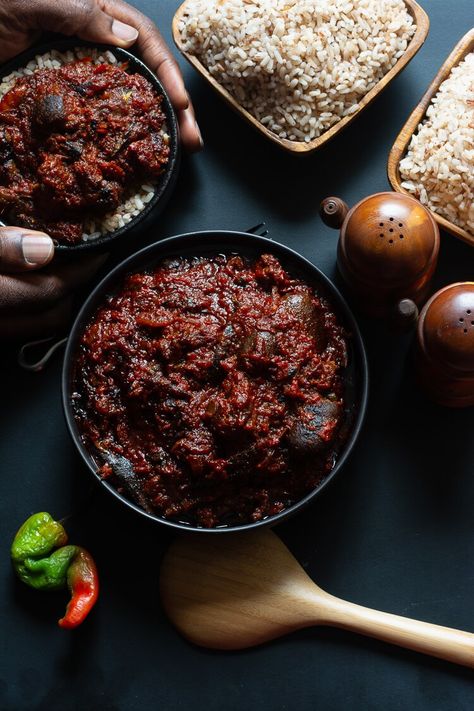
[83, 584]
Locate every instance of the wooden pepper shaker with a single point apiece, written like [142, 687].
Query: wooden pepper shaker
[387, 252]
[445, 346]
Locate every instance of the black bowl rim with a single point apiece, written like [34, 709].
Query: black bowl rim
[63, 45]
[166, 248]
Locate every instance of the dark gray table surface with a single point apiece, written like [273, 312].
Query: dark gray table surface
[395, 530]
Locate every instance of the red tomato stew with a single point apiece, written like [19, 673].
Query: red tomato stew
[220, 381]
[75, 142]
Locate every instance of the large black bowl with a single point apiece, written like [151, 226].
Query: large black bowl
[212, 243]
[165, 184]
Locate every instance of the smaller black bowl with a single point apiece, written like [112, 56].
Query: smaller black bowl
[145, 219]
[252, 246]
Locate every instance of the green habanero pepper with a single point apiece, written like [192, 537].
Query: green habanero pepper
[40, 566]
[37, 538]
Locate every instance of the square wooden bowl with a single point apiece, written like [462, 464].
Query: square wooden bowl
[400, 147]
[422, 26]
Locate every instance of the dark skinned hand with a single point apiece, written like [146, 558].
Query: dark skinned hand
[34, 302]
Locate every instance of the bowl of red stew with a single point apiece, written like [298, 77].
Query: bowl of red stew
[215, 381]
[89, 148]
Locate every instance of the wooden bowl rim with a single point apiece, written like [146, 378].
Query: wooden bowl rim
[400, 146]
[301, 147]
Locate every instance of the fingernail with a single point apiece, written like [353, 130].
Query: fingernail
[124, 32]
[201, 142]
[36, 248]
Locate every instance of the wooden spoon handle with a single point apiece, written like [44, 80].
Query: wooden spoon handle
[443, 642]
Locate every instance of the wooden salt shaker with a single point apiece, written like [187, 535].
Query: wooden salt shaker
[387, 252]
[445, 346]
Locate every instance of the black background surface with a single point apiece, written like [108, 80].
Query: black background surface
[394, 531]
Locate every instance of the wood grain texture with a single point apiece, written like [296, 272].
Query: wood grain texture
[422, 26]
[333, 211]
[445, 346]
[241, 590]
[386, 234]
[400, 147]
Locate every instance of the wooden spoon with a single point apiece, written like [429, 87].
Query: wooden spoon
[237, 591]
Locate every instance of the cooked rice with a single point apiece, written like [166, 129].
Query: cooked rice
[438, 168]
[137, 201]
[298, 66]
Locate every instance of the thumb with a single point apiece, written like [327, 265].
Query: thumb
[84, 19]
[23, 250]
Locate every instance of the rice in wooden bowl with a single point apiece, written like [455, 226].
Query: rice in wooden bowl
[299, 70]
[432, 159]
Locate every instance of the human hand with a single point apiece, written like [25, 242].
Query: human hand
[31, 302]
[41, 301]
[102, 21]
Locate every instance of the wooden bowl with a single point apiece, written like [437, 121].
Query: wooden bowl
[400, 147]
[422, 26]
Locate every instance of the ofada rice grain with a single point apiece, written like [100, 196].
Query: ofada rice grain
[438, 168]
